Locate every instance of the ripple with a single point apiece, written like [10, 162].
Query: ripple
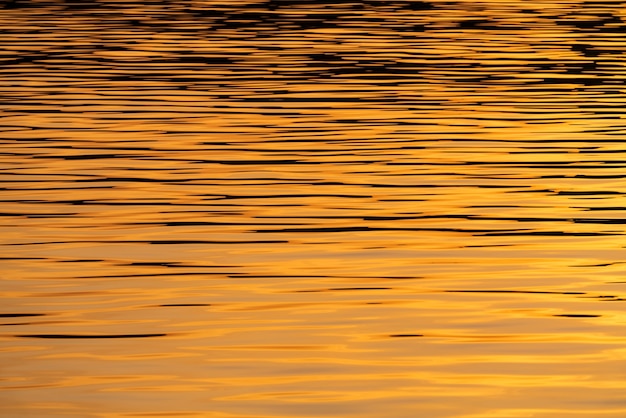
[73, 336]
[392, 199]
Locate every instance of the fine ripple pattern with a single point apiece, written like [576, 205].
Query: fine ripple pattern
[299, 208]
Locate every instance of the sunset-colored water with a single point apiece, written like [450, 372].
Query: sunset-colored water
[313, 208]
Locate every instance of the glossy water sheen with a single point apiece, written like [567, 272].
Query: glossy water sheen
[313, 208]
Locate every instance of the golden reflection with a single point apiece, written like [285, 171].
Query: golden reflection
[268, 209]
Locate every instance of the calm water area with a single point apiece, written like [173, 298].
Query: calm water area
[313, 209]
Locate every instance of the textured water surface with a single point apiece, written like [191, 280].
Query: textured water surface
[298, 208]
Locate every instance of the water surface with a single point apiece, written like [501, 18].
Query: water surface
[284, 208]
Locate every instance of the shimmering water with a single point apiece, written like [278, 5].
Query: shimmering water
[298, 208]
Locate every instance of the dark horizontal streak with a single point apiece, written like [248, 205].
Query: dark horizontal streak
[528, 165]
[95, 260]
[280, 276]
[342, 289]
[478, 232]
[283, 196]
[172, 264]
[516, 291]
[23, 258]
[73, 336]
[405, 335]
[554, 233]
[368, 228]
[37, 215]
[56, 188]
[114, 276]
[203, 223]
[619, 208]
[152, 242]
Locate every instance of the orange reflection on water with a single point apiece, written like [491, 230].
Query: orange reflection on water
[252, 209]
